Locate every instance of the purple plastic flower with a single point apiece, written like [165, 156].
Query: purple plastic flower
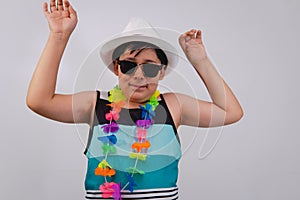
[143, 123]
[110, 128]
[117, 191]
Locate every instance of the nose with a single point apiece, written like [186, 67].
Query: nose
[139, 74]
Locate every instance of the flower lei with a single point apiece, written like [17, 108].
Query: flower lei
[117, 99]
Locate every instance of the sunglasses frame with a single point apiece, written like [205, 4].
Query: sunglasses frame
[119, 62]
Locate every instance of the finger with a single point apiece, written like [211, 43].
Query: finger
[190, 35]
[65, 10]
[52, 6]
[187, 38]
[45, 8]
[182, 38]
[67, 5]
[191, 32]
[199, 34]
[60, 5]
[73, 14]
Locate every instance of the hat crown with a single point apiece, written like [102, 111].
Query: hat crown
[139, 26]
[138, 29]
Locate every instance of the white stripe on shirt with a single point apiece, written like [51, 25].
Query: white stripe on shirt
[157, 193]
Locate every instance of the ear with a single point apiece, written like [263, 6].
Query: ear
[162, 73]
[116, 67]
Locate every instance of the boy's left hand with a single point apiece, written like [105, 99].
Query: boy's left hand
[192, 45]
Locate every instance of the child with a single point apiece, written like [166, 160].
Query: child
[133, 148]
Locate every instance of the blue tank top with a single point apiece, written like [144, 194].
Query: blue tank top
[161, 165]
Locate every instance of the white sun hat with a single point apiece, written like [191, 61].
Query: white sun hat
[139, 29]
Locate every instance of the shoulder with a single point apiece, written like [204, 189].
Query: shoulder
[175, 99]
[82, 104]
[171, 98]
[181, 106]
[173, 104]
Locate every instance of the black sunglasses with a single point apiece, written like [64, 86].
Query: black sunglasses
[129, 67]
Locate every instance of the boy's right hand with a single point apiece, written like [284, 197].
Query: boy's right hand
[62, 18]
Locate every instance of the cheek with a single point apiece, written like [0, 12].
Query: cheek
[152, 85]
[153, 81]
[123, 77]
[123, 81]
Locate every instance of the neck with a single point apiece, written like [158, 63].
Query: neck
[134, 104]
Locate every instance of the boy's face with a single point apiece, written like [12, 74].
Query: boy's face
[137, 87]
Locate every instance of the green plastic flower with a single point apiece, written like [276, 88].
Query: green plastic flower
[153, 101]
[116, 95]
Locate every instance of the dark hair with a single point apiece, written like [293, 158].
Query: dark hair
[139, 45]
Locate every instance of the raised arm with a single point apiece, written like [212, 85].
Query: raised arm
[41, 96]
[224, 108]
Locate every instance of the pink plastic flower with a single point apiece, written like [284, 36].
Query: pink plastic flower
[112, 115]
[141, 134]
[107, 189]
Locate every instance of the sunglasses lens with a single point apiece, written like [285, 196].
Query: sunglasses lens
[151, 70]
[127, 67]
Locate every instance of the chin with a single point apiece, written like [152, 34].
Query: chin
[141, 96]
[138, 92]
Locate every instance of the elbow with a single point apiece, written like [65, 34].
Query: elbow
[239, 115]
[33, 103]
[30, 103]
[235, 116]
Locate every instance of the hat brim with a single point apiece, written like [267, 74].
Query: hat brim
[106, 50]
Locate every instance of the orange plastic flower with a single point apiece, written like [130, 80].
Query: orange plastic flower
[117, 106]
[139, 146]
[99, 171]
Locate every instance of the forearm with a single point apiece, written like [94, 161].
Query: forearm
[220, 93]
[43, 82]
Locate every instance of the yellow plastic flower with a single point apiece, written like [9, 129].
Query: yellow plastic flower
[116, 95]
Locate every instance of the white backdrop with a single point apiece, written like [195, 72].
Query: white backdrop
[255, 46]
